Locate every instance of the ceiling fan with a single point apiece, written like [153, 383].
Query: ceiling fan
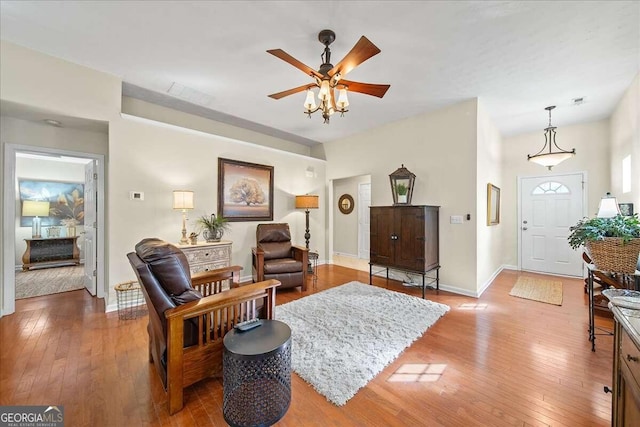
[328, 78]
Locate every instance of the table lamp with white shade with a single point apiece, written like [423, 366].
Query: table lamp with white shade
[35, 209]
[183, 200]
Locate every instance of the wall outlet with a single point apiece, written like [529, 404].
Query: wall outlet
[456, 219]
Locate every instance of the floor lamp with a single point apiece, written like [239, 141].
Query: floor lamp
[183, 199]
[35, 209]
[306, 202]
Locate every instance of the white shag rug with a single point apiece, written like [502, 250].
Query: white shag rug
[343, 337]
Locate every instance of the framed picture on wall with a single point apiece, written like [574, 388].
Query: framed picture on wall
[66, 201]
[626, 209]
[493, 204]
[245, 191]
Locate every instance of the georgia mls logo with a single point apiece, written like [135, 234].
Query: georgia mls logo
[31, 416]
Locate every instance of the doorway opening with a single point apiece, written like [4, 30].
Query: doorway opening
[350, 227]
[68, 251]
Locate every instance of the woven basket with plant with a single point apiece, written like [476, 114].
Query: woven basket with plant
[613, 244]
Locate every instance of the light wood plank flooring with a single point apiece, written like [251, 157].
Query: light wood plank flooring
[508, 361]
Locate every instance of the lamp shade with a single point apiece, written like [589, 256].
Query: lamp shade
[182, 199]
[35, 208]
[608, 207]
[307, 201]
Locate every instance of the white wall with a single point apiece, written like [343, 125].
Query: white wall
[144, 109]
[489, 170]
[440, 148]
[625, 140]
[591, 141]
[156, 159]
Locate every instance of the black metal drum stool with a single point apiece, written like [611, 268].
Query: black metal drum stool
[257, 374]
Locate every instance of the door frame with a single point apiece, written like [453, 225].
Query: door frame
[361, 217]
[9, 219]
[585, 200]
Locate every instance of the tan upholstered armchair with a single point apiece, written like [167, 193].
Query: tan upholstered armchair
[274, 257]
[189, 316]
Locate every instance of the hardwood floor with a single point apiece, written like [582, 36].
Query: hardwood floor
[507, 361]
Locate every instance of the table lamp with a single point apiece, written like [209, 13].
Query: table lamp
[35, 209]
[183, 199]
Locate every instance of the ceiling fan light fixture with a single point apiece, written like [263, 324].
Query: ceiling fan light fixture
[547, 157]
[325, 90]
[343, 101]
[328, 78]
[310, 102]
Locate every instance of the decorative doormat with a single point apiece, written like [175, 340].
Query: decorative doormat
[343, 337]
[547, 291]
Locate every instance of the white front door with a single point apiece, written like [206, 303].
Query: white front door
[364, 202]
[90, 221]
[549, 205]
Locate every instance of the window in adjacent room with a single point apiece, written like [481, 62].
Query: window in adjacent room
[626, 174]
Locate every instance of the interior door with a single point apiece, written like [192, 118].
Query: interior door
[549, 205]
[364, 224]
[90, 222]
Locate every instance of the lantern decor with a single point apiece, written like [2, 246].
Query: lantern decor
[402, 186]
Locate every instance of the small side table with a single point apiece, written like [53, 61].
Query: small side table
[257, 374]
[313, 260]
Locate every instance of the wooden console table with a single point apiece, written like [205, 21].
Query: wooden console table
[207, 256]
[626, 368]
[51, 251]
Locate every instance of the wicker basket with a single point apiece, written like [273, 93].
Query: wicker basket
[612, 255]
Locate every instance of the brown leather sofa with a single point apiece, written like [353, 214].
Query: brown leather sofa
[274, 257]
[189, 315]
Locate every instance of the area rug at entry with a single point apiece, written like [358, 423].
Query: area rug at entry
[547, 291]
[46, 281]
[344, 336]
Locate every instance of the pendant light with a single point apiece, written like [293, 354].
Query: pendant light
[548, 157]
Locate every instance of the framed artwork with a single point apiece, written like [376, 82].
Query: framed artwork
[66, 201]
[626, 209]
[493, 205]
[345, 204]
[245, 191]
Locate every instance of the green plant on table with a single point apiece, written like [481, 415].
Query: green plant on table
[402, 189]
[593, 229]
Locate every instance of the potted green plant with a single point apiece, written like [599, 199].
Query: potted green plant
[401, 190]
[213, 227]
[613, 244]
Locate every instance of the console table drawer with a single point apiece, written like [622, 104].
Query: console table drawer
[207, 256]
[630, 354]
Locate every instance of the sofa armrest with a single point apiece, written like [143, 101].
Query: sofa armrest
[211, 282]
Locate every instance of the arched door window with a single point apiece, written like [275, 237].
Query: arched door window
[551, 187]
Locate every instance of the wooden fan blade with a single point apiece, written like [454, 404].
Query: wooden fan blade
[366, 88]
[362, 51]
[293, 61]
[291, 91]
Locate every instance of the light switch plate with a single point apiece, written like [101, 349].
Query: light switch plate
[456, 219]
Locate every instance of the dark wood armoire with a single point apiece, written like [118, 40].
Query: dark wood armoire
[405, 238]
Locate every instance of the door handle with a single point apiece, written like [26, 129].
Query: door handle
[524, 228]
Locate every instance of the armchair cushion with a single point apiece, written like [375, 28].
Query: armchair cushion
[167, 263]
[283, 265]
[274, 240]
[187, 296]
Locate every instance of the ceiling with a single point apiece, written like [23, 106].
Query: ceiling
[517, 57]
